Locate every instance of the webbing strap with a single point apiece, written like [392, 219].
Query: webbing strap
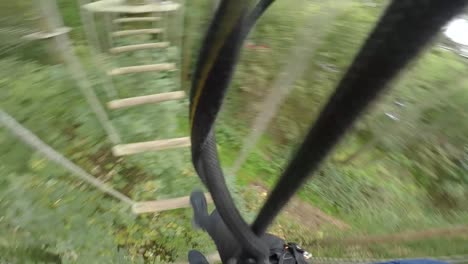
[401, 34]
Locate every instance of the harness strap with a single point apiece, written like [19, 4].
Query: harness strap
[218, 57]
[402, 32]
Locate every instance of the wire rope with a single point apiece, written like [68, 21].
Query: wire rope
[49, 11]
[36, 143]
[298, 61]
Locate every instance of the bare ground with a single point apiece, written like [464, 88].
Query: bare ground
[304, 213]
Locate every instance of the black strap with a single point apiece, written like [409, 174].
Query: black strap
[401, 34]
[298, 253]
[213, 72]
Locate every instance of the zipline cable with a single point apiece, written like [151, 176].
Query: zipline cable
[49, 10]
[458, 231]
[447, 259]
[298, 62]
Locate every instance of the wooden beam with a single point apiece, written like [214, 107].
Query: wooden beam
[145, 99]
[142, 68]
[149, 146]
[46, 35]
[135, 47]
[136, 19]
[132, 32]
[110, 6]
[164, 205]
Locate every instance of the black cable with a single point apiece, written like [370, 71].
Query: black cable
[402, 32]
[209, 86]
[258, 11]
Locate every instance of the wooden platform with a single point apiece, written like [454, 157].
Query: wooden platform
[145, 99]
[142, 68]
[129, 48]
[164, 205]
[120, 6]
[132, 32]
[150, 146]
[135, 19]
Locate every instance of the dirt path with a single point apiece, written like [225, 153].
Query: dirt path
[305, 214]
[311, 216]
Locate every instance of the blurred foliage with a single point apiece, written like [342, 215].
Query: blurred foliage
[403, 167]
[63, 220]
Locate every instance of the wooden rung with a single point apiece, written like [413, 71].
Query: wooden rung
[145, 99]
[156, 145]
[118, 6]
[164, 205]
[136, 19]
[127, 48]
[132, 32]
[142, 68]
[46, 35]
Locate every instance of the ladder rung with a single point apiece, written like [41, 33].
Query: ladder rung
[145, 99]
[121, 7]
[46, 35]
[127, 48]
[164, 205]
[136, 19]
[132, 32]
[156, 145]
[142, 68]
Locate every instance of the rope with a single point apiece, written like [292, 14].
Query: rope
[49, 10]
[179, 43]
[401, 34]
[407, 236]
[33, 141]
[87, 19]
[298, 62]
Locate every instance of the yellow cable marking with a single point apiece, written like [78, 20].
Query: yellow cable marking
[234, 11]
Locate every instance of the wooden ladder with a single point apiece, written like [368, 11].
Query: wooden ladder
[133, 32]
[164, 205]
[121, 103]
[149, 146]
[135, 19]
[136, 47]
